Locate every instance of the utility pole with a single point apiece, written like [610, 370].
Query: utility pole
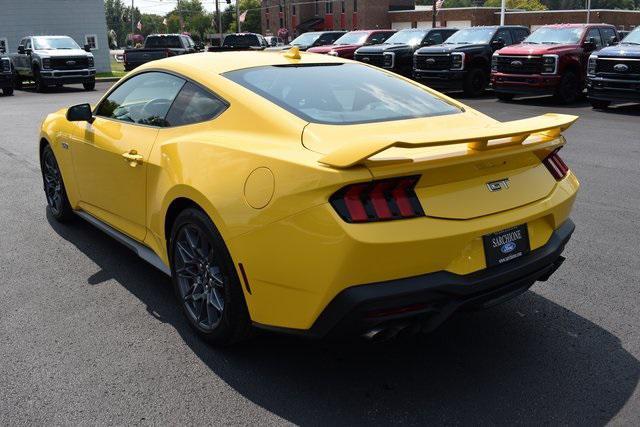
[502, 9]
[434, 11]
[588, 11]
[133, 26]
[219, 21]
[238, 15]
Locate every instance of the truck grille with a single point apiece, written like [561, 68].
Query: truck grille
[374, 59]
[5, 65]
[69, 63]
[519, 65]
[610, 66]
[432, 62]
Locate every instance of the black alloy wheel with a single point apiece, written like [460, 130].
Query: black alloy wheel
[90, 85]
[41, 86]
[17, 80]
[475, 82]
[600, 104]
[205, 280]
[506, 97]
[54, 189]
[7, 91]
[569, 89]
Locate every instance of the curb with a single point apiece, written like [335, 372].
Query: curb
[107, 79]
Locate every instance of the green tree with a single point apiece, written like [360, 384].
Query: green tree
[518, 4]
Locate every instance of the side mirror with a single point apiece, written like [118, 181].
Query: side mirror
[590, 44]
[613, 41]
[497, 43]
[80, 113]
[2, 50]
[427, 42]
[87, 48]
[29, 51]
[21, 50]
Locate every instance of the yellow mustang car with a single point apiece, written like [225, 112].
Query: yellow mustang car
[311, 194]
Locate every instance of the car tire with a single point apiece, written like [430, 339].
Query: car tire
[7, 91]
[41, 86]
[600, 104]
[475, 82]
[202, 268]
[569, 88]
[54, 189]
[17, 81]
[504, 96]
[89, 85]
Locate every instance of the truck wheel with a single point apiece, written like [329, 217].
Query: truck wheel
[8, 91]
[569, 88]
[89, 85]
[474, 83]
[599, 104]
[40, 85]
[504, 96]
[17, 81]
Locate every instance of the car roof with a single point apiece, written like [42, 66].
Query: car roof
[577, 25]
[222, 62]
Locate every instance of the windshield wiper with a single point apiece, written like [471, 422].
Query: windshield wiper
[550, 42]
[636, 43]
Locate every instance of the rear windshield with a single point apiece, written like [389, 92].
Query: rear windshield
[241, 40]
[165, 41]
[341, 94]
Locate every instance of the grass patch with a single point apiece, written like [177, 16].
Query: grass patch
[118, 74]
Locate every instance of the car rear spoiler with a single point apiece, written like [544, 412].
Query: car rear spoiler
[547, 127]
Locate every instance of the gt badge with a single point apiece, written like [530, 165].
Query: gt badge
[501, 184]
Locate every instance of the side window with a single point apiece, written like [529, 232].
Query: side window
[194, 104]
[379, 38]
[594, 33]
[28, 45]
[607, 34]
[505, 35]
[519, 34]
[435, 37]
[144, 99]
[324, 40]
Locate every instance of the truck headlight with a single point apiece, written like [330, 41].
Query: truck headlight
[494, 63]
[457, 61]
[549, 64]
[46, 63]
[591, 65]
[90, 62]
[389, 59]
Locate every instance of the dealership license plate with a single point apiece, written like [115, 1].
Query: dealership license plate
[506, 245]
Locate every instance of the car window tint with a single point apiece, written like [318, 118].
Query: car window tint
[435, 38]
[143, 99]
[595, 34]
[519, 35]
[505, 35]
[378, 38]
[341, 94]
[192, 105]
[607, 34]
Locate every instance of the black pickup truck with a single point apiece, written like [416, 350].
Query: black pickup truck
[6, 74]
[463, 62]
[241, 41]
[159, 46]
[613, 73]
[396, 53]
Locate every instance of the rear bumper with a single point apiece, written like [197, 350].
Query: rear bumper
[605, 89]
[428, 300]
[68, 76]
[521, 84]
[443, 80]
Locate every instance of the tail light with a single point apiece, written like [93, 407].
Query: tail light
[556, 165]
[379, 200]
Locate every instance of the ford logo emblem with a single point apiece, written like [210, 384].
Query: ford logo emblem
[621, 68]
[516, 63]
[431, 61]
[71, 62]
[508, 247]
[366, 59]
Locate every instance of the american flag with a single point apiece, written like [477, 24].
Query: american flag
[439, 4]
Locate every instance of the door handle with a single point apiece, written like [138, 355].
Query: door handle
[133, 158]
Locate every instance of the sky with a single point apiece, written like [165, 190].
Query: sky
[161, 7]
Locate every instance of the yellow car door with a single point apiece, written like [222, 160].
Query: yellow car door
[110, 156]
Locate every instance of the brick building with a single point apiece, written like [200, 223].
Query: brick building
[299, 16]
[421, 17]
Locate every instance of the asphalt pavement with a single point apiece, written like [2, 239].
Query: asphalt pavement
[90, 334]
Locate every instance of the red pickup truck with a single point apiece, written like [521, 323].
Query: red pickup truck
[346, 45]
[551, 61]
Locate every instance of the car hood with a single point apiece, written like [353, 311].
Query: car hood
[621, 50]
[448, 48]
[385, 47]
[334, 47]
[63, 52]
[537, 49]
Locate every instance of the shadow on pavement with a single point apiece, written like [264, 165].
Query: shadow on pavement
[528, 360]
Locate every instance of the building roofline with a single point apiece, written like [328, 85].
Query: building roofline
[571, 11]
